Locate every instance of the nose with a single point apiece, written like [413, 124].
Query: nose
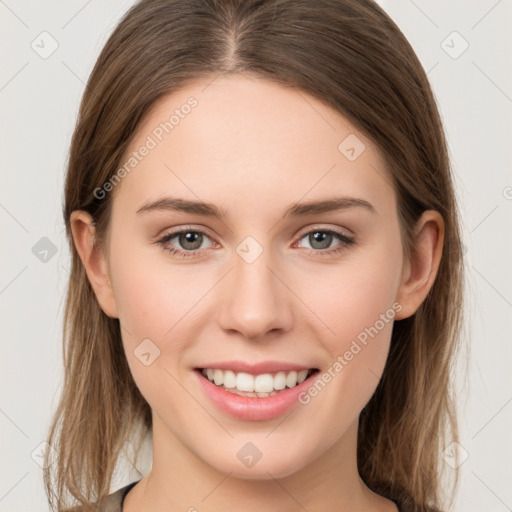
[255, 299]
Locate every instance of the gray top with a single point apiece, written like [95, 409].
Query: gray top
[114, 502]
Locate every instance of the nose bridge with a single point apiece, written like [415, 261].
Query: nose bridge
[255, 301]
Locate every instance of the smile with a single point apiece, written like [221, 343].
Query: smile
[254, 396]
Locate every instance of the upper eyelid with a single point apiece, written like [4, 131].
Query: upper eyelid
[186, 229]
[305, 231]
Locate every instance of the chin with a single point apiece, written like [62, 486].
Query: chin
[266, 468]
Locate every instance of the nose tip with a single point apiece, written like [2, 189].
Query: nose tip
[256, 301]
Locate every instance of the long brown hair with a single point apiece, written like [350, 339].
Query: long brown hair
[350, 55]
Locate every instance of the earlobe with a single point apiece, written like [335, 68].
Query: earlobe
[420, 271]
[94, 261]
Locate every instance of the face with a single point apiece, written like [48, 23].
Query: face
[259, 284]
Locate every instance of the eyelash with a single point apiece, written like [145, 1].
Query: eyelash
[344, 239]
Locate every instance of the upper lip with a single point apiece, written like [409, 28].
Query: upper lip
[256, 368]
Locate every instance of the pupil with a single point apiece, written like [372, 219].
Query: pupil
[323, 238]
[190, 238]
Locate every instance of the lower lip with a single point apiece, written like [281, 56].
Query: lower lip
[252, 408]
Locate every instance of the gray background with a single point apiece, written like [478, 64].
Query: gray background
[39, 98]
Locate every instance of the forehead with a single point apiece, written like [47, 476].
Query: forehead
[247, 141]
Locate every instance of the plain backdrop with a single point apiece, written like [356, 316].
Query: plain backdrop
[466, 48]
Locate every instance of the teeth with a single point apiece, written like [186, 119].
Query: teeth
[245, 382]
[301, 376]
[218, 377]
[229, 379]
[280, 380]
[263, 385]
[291, 379]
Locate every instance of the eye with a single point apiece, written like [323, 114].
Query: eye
[320, 241]
[191, 240]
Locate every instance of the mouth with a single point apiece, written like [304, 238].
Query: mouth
[261, 385]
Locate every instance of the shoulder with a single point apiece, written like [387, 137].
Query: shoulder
[402, 499]
[111, 503]
[408, 505]
[114, 502]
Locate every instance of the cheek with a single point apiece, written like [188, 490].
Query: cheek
[151, 297]
[158, 304]
[351, 298]
[153, 314]
[356, 303]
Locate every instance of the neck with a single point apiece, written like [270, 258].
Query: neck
[179, 480]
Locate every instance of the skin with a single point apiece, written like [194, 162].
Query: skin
[254, 148]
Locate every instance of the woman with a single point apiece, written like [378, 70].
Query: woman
[266, 264]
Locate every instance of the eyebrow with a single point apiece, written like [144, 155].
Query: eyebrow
[295, 210]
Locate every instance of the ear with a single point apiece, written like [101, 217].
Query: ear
[420, 270]
[93, 260]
